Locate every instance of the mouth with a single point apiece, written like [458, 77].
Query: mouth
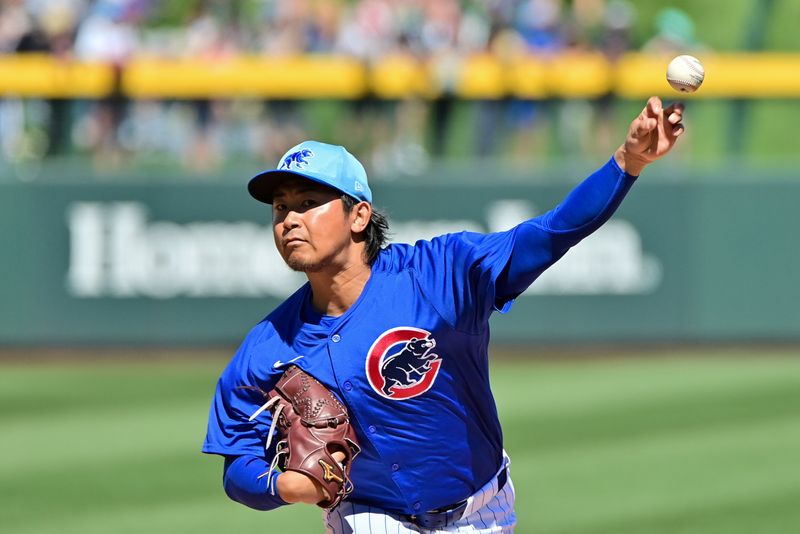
[292, 241]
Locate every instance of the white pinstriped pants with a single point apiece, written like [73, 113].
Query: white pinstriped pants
[488, 512]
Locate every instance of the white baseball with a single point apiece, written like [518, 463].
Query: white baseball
[685, 74]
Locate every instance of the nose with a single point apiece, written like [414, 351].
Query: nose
[291, 220]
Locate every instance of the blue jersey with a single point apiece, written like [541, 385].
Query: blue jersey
[410, 357]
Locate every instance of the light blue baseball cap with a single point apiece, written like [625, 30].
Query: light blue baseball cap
[330, 165]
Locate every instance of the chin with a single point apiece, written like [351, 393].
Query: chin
[304, 265]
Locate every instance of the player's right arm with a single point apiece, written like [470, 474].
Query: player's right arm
[466, 276]
[651, 135]
[538, 243]
[542, 241]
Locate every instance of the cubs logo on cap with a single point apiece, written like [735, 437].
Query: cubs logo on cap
[330, 165]
[297, 159]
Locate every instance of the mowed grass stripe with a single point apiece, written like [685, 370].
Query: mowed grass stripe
[652, 417]
[143, 481]
[563, 387]
[212, 515]
[776, 513]
[647, 404]
[104, 433]
[34, 391]
[608, 482]
[597, 446]
[655, 454]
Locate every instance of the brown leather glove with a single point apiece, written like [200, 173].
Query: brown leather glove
[312, 425]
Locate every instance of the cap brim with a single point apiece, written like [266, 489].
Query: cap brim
[262, 186]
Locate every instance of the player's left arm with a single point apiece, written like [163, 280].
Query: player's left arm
[244, 482]
[540, 242]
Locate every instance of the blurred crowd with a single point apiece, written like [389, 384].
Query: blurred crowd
[394, 136]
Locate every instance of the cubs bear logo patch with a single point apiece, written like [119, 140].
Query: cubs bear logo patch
[401, 364]
[297, 159]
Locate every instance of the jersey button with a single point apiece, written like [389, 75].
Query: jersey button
[348, 386]
[395, 467]
[372, 429]
[336, 338]
[417, 506]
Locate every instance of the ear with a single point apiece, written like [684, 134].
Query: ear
[361, 215]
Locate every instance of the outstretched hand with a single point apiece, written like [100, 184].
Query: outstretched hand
[651, 135]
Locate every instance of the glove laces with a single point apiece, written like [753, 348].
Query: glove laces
[281, 449]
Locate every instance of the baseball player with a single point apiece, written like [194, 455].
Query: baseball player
[400, 335]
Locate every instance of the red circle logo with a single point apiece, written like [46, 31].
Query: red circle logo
[401, 365]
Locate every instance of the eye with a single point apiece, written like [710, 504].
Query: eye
[278, 207]
[308, 203]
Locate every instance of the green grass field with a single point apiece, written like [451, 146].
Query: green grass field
[675, 442]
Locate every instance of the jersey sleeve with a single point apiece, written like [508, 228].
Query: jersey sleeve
[457, 274]
[466, 276]
[244, 483]
[540, 242]
[229, 430]
[241, 441]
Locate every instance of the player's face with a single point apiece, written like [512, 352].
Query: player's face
[310, 227]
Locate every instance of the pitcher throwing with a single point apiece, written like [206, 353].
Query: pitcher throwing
[399, 336]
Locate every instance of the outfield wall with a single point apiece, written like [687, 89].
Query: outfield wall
[195, 263]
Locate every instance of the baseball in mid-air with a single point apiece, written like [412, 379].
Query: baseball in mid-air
[685, 74]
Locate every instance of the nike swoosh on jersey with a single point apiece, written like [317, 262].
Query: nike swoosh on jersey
[280, 363]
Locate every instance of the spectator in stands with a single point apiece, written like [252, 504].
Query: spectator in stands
[109, 35]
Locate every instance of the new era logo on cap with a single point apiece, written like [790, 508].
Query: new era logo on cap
[331, 165]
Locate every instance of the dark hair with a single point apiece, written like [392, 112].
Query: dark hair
[376, 232]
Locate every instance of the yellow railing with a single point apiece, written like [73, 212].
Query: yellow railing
[44, 76]
[764, 75]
